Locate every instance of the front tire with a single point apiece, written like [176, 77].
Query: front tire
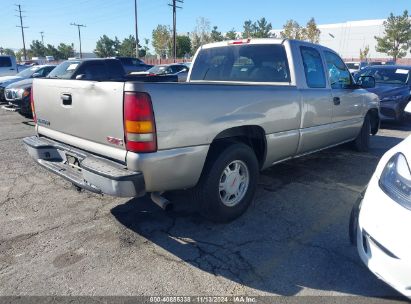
[362, 142]
[228, 184]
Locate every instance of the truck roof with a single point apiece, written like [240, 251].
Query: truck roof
[250, 41]
[244, 41]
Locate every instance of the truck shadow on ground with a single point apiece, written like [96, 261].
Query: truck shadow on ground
[294, 236]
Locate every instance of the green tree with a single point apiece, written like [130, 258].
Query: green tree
[107, 47]
[52, 51]
[262, 29]
[8, 52]
[183, 45]
[216, 35]
[231, 35]
[311, 32]
[146, 48]
[37, 48]
[66, 50]
[161, 39]
[127, 47]
[249, 29]
[292, 30]
[364, 53]
[397, 36]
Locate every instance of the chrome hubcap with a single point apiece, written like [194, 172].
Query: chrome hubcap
[234, 183]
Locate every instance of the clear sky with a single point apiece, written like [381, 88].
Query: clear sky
[116, 17]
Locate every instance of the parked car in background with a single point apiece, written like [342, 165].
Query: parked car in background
[8, 65]
[178, 69]
[100, 69]
[18, 93]
[33, 72]
[355, 66]
[247, 105]
[393, 85]
[380, 221]
[18, 96]
[131, 64]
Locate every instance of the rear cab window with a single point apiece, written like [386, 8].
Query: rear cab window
[265, 63]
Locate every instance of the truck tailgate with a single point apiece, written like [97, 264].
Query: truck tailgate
[87, 110]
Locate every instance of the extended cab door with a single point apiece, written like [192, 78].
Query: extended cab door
[316, 123]
[347, 99]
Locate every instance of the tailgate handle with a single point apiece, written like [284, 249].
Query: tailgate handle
[66, 98]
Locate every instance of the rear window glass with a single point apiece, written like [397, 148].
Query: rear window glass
[5, 62]
[243, 63]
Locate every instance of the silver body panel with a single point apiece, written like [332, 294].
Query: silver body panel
[296, 119]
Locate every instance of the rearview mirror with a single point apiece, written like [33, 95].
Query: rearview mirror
[366, 82]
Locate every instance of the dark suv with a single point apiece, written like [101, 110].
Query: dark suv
[131, 64]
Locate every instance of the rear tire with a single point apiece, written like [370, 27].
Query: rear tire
[228, 184]
[362, 142]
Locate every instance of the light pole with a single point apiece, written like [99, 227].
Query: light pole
[79, 35]
[136, 26]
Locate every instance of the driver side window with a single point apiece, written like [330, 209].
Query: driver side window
[340, 77]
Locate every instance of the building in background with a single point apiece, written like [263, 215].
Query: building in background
[349, 37]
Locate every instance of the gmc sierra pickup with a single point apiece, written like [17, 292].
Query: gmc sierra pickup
[247, 105]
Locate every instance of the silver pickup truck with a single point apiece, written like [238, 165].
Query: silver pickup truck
[246, 106]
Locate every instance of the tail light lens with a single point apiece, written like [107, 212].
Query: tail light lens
[32, 105]
[139, 123]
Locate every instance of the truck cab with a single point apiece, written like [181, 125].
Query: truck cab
[8, 65]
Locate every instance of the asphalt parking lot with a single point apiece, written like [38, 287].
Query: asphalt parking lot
[293, 240]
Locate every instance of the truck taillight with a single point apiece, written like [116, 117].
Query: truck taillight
[32, 105]
[139, 124]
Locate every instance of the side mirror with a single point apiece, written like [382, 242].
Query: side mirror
[80, 77]
[36, 75]
[366, 82]
[408, 108]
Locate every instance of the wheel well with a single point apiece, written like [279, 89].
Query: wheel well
[253, 136]
[375, 121]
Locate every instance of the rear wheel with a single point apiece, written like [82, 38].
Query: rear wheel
[229, 181]
[362, 142]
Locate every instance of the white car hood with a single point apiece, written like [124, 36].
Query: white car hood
[403, 147]
[7, 78]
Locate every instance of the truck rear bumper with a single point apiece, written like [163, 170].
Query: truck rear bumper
[84, 170]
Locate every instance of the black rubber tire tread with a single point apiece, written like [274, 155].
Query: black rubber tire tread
[206, 192]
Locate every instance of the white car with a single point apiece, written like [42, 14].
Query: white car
[380, 224]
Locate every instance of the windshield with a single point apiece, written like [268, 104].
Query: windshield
[65, 70]
[389, 76]
[159, 69]
[27, 73]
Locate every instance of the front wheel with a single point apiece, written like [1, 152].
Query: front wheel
[229, 181]
[362, 142]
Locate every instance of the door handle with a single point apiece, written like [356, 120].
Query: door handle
[66, 98]
[11, 69]
[337, 101]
